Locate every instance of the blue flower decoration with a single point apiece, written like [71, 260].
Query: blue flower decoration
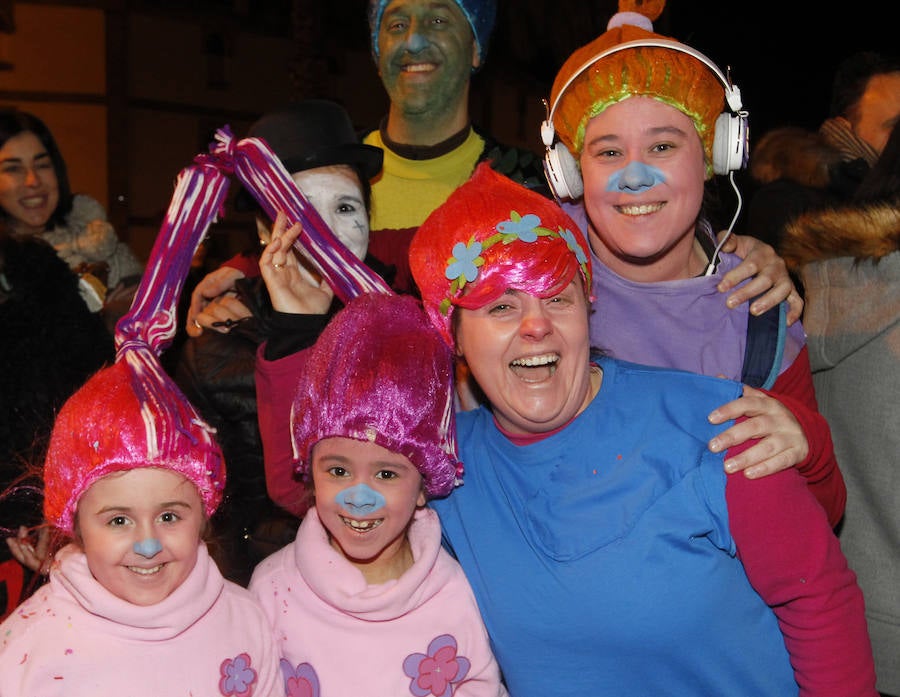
[465, 261]
[521, 227]
[573, 245]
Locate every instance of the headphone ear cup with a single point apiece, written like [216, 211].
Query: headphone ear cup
[730, 143]
[563, 173]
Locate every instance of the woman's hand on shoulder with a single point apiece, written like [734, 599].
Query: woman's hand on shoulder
[768, 277]
[780, 444]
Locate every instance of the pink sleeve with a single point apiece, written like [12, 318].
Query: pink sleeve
[795, 563]
[794, 389]
[275, 381]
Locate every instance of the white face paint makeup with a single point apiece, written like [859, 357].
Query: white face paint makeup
[335, 192]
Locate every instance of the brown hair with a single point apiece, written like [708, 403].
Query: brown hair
[793, 153]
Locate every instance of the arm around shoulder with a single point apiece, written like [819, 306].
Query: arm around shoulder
[794, 561]
[794, 389]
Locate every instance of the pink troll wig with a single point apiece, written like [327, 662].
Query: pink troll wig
[492, 235]
[131, 414]
[380, 373]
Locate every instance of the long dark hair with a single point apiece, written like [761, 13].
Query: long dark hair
[14, 122]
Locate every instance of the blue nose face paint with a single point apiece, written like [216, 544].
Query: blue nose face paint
[148, 548]
[360, 500]
[415, 42]
[635, 178]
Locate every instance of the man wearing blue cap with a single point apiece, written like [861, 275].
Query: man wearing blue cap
[426, 53]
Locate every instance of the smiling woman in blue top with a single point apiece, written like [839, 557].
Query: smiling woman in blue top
[639, 566]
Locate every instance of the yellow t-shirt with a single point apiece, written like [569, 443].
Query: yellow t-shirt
[407, 191]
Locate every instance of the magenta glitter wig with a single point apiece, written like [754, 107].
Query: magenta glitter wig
[492, 235]
[380, 373]
[131, 414]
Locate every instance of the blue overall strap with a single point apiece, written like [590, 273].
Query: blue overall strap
[765, 347]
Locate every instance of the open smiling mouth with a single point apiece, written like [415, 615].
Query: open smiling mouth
[33, 202]
[642, 209]
[141, 571]
[361, 525]
[535, 368]
[419, 68]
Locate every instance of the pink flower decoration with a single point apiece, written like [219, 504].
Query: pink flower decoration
[435, 672]
[301, 681]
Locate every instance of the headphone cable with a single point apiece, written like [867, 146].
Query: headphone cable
[713, 262]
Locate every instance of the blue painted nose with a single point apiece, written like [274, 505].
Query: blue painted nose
[148, 548]
[360, 499]
[416, 42]
[634, 178]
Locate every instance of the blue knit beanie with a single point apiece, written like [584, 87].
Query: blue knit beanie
[480, 13]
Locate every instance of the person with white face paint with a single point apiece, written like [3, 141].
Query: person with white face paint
[316, 143]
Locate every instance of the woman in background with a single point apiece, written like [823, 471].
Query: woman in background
[36, 200]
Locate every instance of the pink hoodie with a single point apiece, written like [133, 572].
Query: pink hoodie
[419, 635]
[73, 638]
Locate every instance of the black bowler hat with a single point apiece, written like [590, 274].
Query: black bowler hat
[312, 133]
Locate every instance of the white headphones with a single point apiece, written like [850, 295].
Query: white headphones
[730, 141]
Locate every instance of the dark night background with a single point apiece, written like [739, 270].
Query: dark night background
[782, 54]
[185, 68]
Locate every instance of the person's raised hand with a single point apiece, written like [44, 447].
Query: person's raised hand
[768, 275]
[781, 441]
[32, 553]
[214, 303]
[292, 287]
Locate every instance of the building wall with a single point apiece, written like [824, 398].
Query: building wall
[131, 96]
[133, 90]
[58, 73]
